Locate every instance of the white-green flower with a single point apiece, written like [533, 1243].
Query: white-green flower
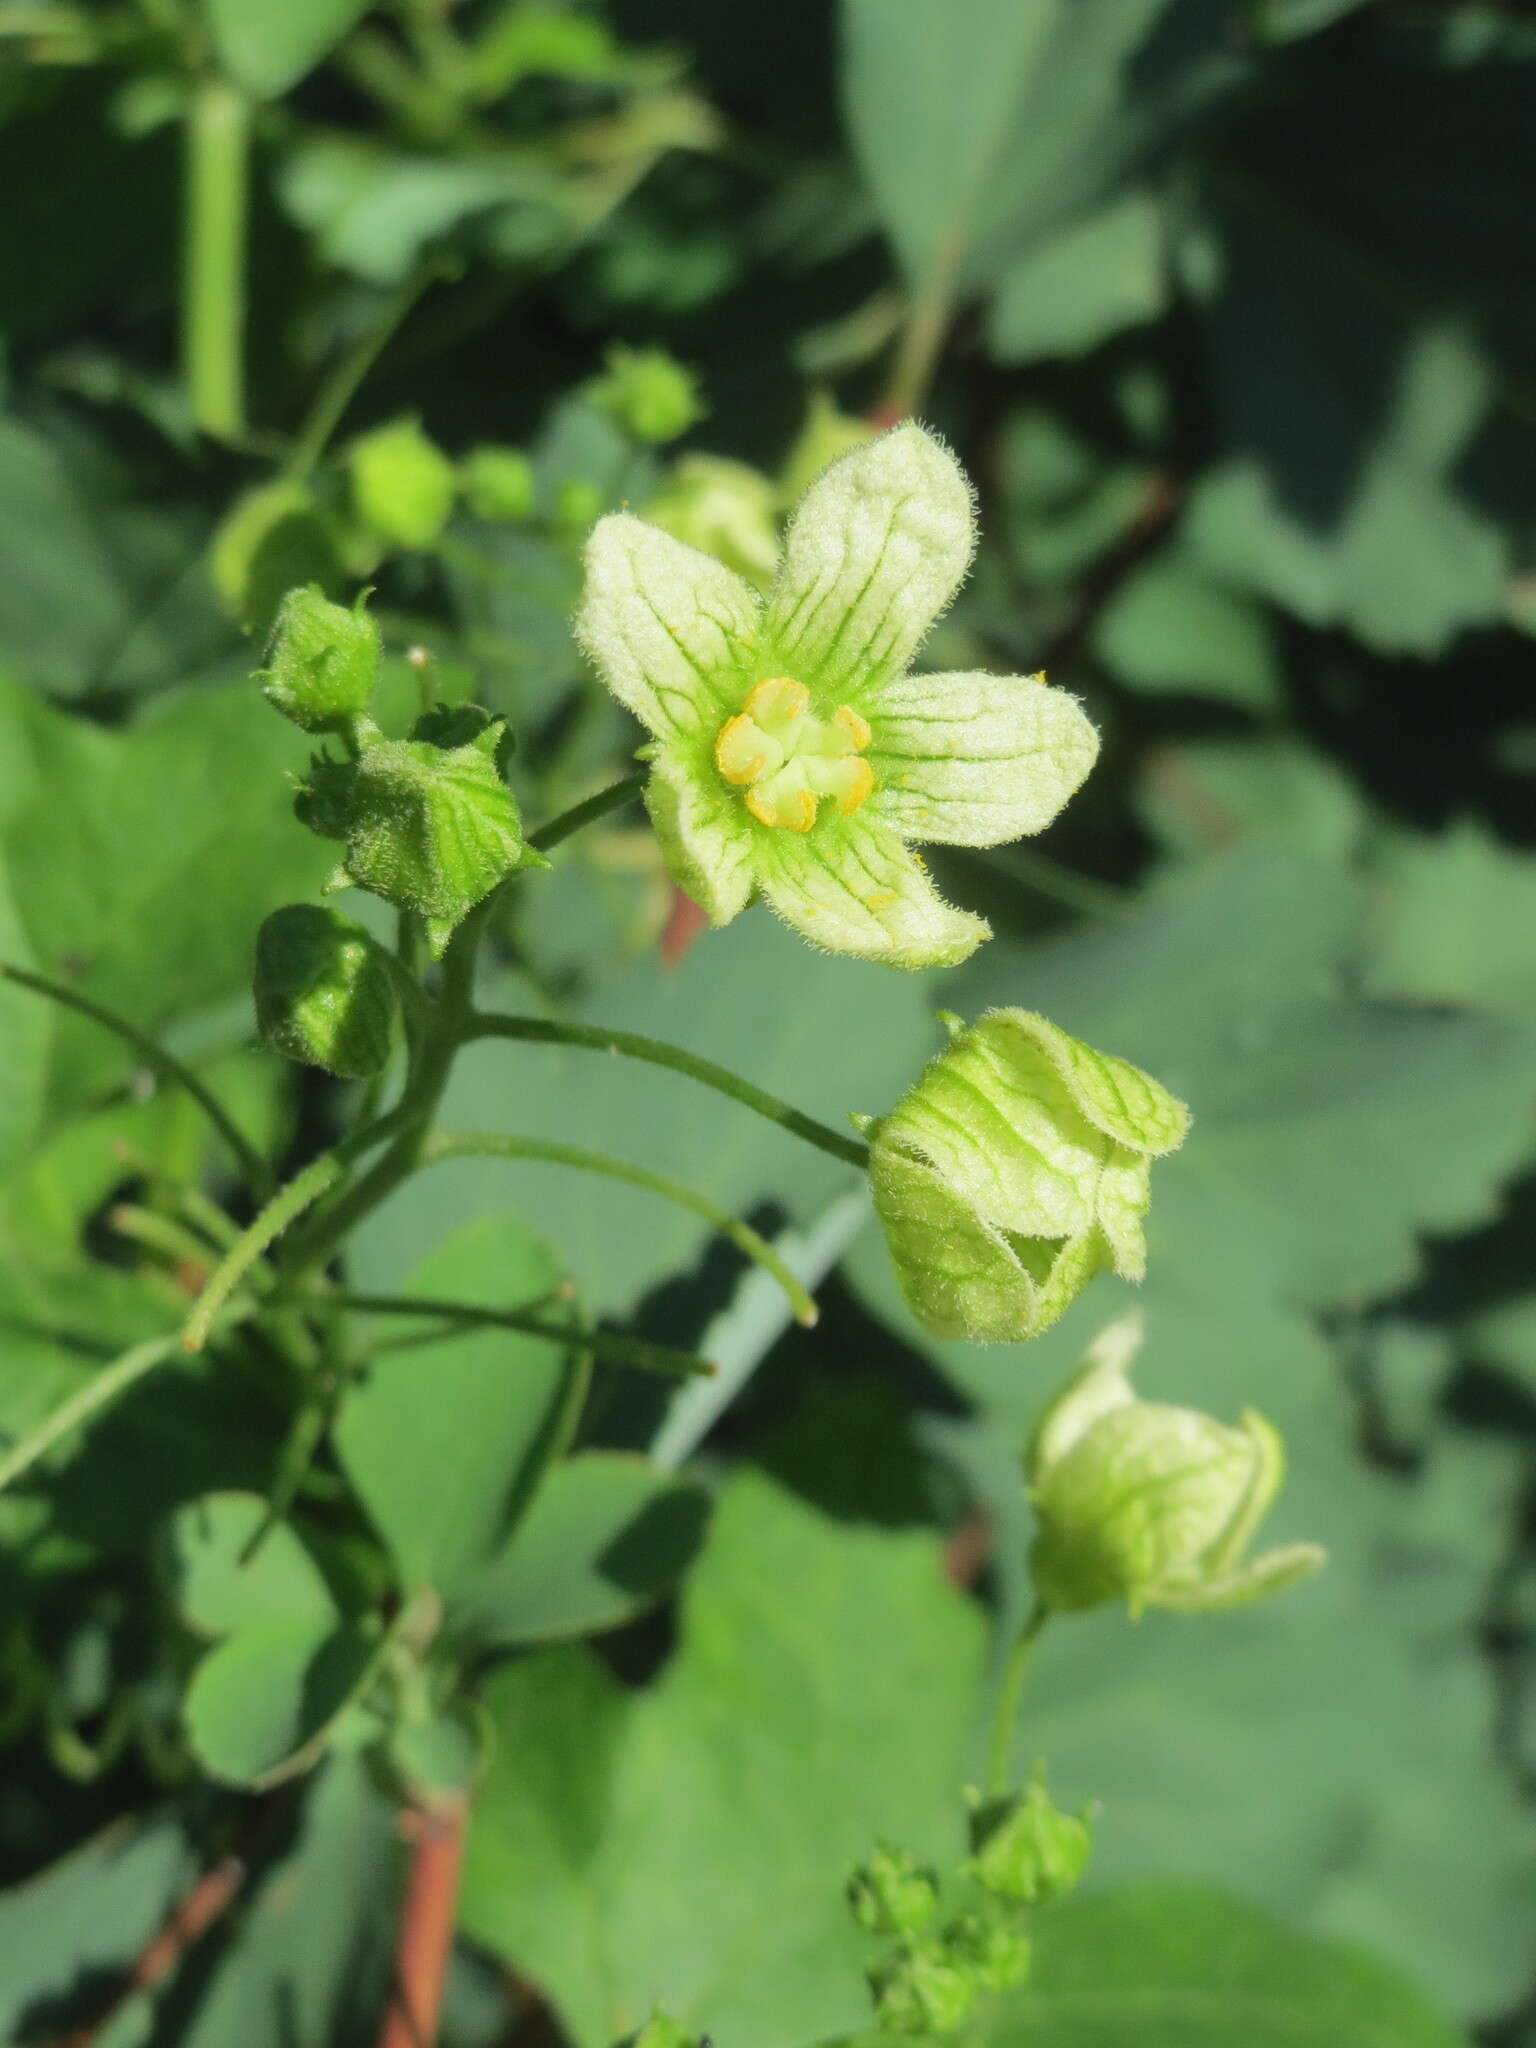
[1154, 1505]
[1015, 1167]
[793, 754]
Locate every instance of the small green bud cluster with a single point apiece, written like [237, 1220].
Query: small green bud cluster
[929, 1982]
[650, 394]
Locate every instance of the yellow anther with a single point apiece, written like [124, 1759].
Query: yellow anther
[787, 759]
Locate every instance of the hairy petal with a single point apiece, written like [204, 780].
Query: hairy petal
[670, 630]
[976, 760]
[852, 887]
[703, 830]
[879, 545]
[1114, 1096]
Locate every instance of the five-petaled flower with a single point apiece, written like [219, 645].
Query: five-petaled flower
[792, 751]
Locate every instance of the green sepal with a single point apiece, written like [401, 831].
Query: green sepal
[324, 994]
[463, 725]
[323, 662]
[1025, 1849]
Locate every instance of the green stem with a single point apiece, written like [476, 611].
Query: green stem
[587, 812]
[155, 1056]
[213, 289]
[112, 1381]
[163, 1234]
[495, 1145]
[287, 1204]
[341, 386]
[1005, 1719]
[607, 1345]
[631, 1045]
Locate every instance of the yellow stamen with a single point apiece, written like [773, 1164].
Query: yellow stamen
[786, 759]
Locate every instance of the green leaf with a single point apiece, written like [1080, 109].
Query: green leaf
[1452, 913]
[605, 1537]
[270, 47]
[218, 1589]
[690, 1842]
[1206, 796]
[1102, 274]
[262, 1705]
[1173, 1966]
[1170, 629]
[446, 1442]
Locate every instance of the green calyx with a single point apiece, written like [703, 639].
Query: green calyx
[1025, 1849]
[892, 1894]
[427, 822]
[323, 991]
[923, 1989]
[323, 662]
[1016, 1167]
[1151, 1504]
[990, 1949]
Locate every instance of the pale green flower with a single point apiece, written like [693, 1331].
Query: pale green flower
[793, 754]
[1154, 1505]
[1014, 1168]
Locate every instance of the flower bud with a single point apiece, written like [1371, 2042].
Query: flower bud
[662, 2031]
[892, 1894]
[654, 397]
[1151, 1504]
[403, 485]
[922, 1990]
[323, 991]
[1024, 1848]
[323, 661]
[272, 537]
[499, 483]
[729, 509]
[827, 433]
[1016, 1167]
[993, 1954]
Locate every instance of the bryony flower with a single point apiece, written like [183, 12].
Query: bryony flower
[1014, 1168]
[792, 752]
[1150, 1504]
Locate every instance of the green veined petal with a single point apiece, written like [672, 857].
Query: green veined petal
[1116, 1097]
[851, 886]
[976, 760]
[878, 546]
[669, 630]
[703, 829]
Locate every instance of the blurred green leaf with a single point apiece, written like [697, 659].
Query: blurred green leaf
[271, 46]
[218, 1589]
[261, 1706]
[1097, 277]
[690, 1842]
[1453, 915]
[606, 1536]
[1168, 628]
[1172, 1966]
[447, 1441]
[1205, 796]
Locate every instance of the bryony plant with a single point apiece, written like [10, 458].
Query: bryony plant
[793, 753]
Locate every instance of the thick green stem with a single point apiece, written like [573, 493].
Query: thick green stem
[1005, 1719]
[631, 1045]
[496, 1145]
[213, 287]
[587, 812]
[607, 1345]
[156, 1057]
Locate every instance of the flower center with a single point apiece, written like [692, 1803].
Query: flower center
[787, 759]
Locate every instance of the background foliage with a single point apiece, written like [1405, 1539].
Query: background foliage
[1225, 305]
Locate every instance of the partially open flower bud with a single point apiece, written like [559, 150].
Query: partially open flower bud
[647, 391]
[1151, 1504]
[922, 1990]
[323, 662]
[323, 991]
[403, 485]
[994, 1954]
[1016, 1167]
[1024, 1848]
[892, 1894]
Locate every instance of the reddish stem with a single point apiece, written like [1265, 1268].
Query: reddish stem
[424, 1940]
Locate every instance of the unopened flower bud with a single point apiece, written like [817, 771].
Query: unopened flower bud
[922, 1990]
[323, 662]
[994, 1954]
[323, 991]
[1154, 1505]
[1016, 1167]
[403, 485]
[1025, 1849]
[647, 392]
[729, 509]
[892, 1894]
[827, 433]
[498, 483]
